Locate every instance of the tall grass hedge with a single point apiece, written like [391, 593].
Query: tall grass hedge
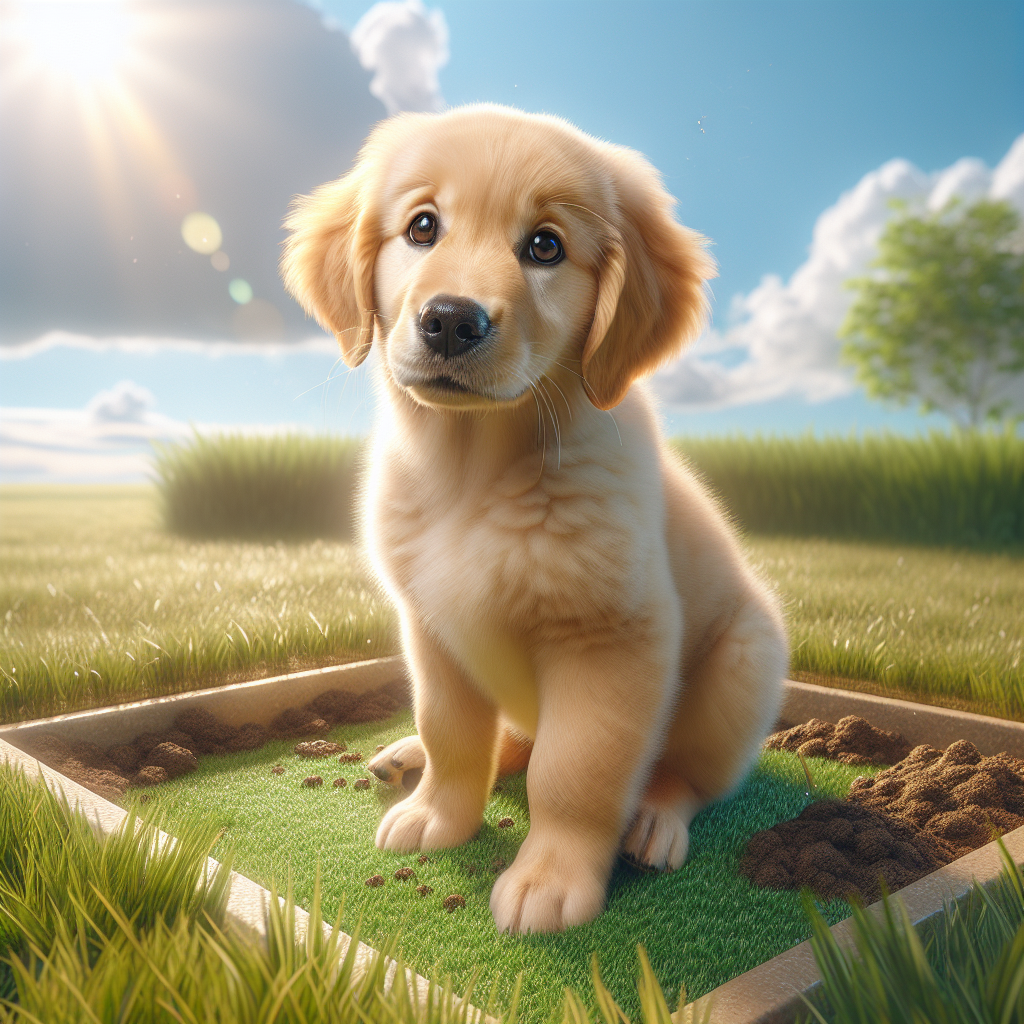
[272, 486]
[965, 488]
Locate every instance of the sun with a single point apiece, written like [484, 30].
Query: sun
[84, 43]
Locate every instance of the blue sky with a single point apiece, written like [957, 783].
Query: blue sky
[762, 116]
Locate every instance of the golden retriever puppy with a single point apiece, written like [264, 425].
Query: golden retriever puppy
[567, 591]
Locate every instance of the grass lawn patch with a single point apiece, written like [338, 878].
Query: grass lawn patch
[100, 605]
[700, 926]
[93, 585]
[936, 625]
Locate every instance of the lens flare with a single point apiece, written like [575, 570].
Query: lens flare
[220, 260]
[201, 233]
[240, 290]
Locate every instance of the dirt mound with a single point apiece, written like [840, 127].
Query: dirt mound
[840, 849]
[928, 809]
[152, 758]
[852, 740]
[958, 796]
[173, 759]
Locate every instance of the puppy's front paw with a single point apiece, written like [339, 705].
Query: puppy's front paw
[422, 823]
[658, 839]
[400, 764]
[547, 891]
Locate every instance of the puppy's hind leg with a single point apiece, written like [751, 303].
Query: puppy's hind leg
[730, 701]
[659, 837]
[401, 763]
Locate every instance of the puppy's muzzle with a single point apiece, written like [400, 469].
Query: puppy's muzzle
[451, 325]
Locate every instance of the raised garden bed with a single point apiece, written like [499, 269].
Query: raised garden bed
[277, 826]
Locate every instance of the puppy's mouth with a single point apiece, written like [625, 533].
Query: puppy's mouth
[446, 383]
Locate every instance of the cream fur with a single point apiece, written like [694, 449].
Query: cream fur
[559, 575]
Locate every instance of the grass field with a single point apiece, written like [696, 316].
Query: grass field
[100, 605]
[700, 926]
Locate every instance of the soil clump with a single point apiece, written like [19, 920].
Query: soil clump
[928, 809]
[959, 796]
[839, 849]
[852, 740]
[152, 758]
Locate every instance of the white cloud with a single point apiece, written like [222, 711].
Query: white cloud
[125, 402]
[782, 339]
[405, 45]
[147, 345]
[108, 441]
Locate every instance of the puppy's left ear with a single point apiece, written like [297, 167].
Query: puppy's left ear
[329, 257]
[651, 298]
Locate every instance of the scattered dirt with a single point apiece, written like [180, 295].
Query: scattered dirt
[958, 796]
[278, 769]
[379, 748]
[312, 781]
[361, 784]
[404, 874]
[422, 859]
[350, 758]
[318, 748]
[852, 740]
[928, 809]
[454, 902]
[152, 758]
[506, 823]
[339, 783]
[374, 881]
[424, 890]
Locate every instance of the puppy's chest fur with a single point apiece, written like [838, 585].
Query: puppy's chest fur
[497, 569]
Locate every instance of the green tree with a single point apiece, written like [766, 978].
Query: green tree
[941, 318]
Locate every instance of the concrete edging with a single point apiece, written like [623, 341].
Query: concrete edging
[767, 994]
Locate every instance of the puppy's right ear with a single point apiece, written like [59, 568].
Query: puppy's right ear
[328, 260]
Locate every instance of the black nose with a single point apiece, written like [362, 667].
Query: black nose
[450, 324]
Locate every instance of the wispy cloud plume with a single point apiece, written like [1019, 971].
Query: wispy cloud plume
[782, 337]
[147, 345]
[405, 46]
[110, 440]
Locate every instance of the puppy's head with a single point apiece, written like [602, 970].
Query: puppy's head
[484, 247]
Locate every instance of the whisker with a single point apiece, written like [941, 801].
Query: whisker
[554, 420]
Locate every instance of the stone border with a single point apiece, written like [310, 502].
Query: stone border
[767, 994]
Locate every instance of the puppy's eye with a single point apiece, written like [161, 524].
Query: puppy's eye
[423, 230]
[545, 248]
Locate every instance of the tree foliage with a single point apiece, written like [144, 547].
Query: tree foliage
[941, 317]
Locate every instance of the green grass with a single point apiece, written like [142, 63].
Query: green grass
[965, 488]
[58, 879]
[936, 625]
[118, 928]
[968, 966]
[700, 926]
[136, 612]
[233, 485]
[100, 605]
